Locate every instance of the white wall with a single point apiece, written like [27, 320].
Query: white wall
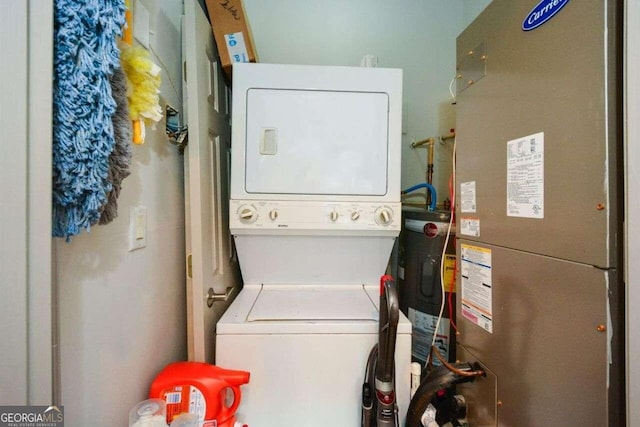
[471, 9]
[122, 314]
[415, 35]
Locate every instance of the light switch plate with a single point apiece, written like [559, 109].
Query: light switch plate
[137, 228]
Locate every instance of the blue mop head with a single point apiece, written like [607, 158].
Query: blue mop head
[85, 56]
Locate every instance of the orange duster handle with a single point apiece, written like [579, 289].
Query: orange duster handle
[127, 37]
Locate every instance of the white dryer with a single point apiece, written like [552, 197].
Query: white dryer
[314, 211]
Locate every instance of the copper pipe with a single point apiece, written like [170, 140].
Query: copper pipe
[453, 369]
[423, 142]
[452, 135]
[429, 142]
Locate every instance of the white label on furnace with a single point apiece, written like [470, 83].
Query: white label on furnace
[525, 176]
[470, 227]
[423, 326]
[468, 196]
[236, 47]
[476, 287]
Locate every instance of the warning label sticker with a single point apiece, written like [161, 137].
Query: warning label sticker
[423, 328]
[476, 286]
[525, 176]
[468, 196]
[470, 227]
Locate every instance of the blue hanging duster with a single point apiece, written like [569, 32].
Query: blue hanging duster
[85, 56]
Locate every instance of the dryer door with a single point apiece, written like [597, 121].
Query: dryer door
[317, 142]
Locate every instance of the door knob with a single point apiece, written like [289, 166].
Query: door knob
[213, 297]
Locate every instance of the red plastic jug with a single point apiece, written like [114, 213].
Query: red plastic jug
[200, 388]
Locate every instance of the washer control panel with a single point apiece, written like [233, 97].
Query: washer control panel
[301, 215]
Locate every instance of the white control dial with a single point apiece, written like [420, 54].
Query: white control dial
[247, 214]
[273, 214]
[333, 215]
[384, 216]
[355, 215]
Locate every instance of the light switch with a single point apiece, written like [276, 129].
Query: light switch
[137, 228]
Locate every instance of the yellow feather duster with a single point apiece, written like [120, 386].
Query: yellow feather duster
[143, 83]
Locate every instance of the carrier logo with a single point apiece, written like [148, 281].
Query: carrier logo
[544, 11]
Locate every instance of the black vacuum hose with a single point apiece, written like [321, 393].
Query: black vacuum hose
[439, 378]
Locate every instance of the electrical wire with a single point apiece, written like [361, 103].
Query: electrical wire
[444, 251]
[453, 96]
[452, 197]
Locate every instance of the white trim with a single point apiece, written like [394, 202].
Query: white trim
[41, 344]
[13, 209]
[26, 36]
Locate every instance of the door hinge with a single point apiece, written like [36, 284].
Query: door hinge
[189, 266]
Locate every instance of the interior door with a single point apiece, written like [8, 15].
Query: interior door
[212, 266]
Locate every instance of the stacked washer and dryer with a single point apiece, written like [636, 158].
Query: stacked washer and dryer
[314, 211]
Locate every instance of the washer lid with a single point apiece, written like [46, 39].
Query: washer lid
[281, 314]
[324, 302]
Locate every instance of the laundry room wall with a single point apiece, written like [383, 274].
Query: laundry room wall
[123, 314]
[415, 35]
[471, 9]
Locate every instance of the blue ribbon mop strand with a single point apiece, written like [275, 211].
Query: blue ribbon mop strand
[85, 56]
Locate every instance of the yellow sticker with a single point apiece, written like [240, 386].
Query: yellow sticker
[449, 273]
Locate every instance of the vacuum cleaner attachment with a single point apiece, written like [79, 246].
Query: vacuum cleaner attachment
[379, 376]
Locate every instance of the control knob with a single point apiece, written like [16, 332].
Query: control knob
[333, 215]
[247, 214]
[384, 216]
[355, 215]
[273, 214]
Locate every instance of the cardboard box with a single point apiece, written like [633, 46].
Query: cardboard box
[232, 33]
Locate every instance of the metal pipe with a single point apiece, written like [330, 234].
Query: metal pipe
[433, 139]
[429, 142]
[452, 135]
[423, 142]
[430, 147]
